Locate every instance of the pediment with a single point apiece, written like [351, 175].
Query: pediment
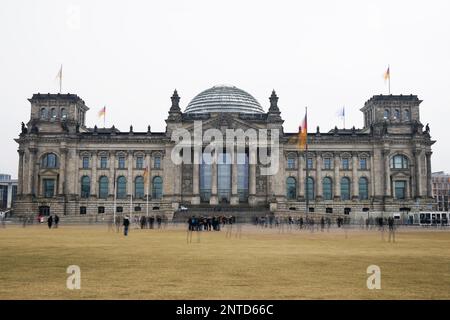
[227, 121]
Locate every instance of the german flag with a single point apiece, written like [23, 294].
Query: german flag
[303, 134]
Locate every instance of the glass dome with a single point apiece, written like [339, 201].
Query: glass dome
[224, 99]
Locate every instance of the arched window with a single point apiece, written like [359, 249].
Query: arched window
[291, 162]
[397, 114]
[310, 188]
[399, 161]
[345, 188]
[103, 186]
[121, 187]
[327, 188]
[363, 189]
[139, 187]
[85, 187]
[43, 113]
[63, 114]
[157, 188]
[53, 113]
[49, 160]
[406, 115]
[291, 188]
[386, 114]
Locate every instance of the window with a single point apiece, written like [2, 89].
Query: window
[43, 114]
[101, 210]
[291, 162]
[63, 114]
[119, 209]
[327, 189]
[139, 162]
[363, 189]
[49, 188]
[157, 186]
[137, 208]
[363, 163]
[83, 210]
[85, 187]
[310, 188]
[310, 163]
[103, 162]
[399, 162]
[49, 160]
[103, 185]
[53, 113]
[397, 114]
[328, 210]
[139, 187]
[85, 162]
[400, 189]
[121, 162]
[157, 162]
[345, 188]
[345, 163]
[121, 187]
[291, 188]
[327, 163]
[406, 115]
[386, 114]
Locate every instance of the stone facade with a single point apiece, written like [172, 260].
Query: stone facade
[383, 167]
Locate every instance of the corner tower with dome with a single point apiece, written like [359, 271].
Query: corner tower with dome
[66, 168]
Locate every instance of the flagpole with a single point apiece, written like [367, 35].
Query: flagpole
[147, 204]
[115, 201]
[60, 80]
[307, 167]
[389, 68]
[343, 111]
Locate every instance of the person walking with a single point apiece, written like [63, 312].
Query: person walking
[50, 222]
[391, 224]
[126, 225]
[56, 220]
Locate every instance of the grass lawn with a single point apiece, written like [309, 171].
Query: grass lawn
[262, 264]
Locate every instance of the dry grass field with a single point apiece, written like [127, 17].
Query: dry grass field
[159, 264]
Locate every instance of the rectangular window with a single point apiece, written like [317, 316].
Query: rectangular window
[101, 210]
[328, 210]
[363, 163]
[291, 163]
[119, 209]
[310, 163]
[157, 163]
[400, 189]
[121, 162]
[49, 188]
[82, 210]
[103, 162]
[327, 163]
[85, 162]
[139, 162]
[345, 163]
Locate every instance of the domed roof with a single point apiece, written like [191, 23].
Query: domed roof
[224, 99]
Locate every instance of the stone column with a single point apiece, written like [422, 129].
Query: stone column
[214, 198]
[20, 176]
[428, 159]
[148, 179]
[62, 172]
[234, 179]
[196, 176]
[130, 181]
[417, 175]
[112, 170]
[94, 175]
[355, 191]
[252, 177]
[300, 175]
[387, 174]
[32, 176]
[337, 179]
[318, 176]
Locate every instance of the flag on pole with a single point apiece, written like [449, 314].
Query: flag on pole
[387, 75]
[102, 112]
[145, 174]
[59, 77]
[303, 134]
[341, 114]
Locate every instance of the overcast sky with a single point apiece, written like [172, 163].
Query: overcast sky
[131, 55]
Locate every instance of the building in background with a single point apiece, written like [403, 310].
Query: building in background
[8, 191]
[441, 189]
[67, 168]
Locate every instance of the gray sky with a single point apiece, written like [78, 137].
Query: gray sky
[131, 55]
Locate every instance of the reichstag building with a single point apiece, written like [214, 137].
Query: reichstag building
[66, 168]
